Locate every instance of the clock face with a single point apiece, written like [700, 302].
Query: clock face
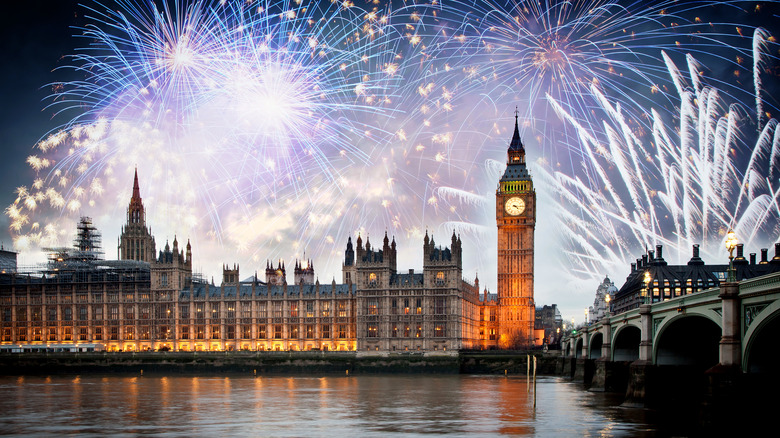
[514, 206]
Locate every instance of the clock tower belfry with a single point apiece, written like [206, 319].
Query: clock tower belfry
[516, 220]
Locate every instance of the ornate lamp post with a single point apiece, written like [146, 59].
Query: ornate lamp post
[646, 291]
[607, 298]
[731, 243]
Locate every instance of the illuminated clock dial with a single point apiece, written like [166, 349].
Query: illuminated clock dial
[514, 206]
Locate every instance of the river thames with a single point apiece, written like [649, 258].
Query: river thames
[363, 405]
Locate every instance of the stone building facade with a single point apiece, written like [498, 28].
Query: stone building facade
[601, 306]
[652, 279]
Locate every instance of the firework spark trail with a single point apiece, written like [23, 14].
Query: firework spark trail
[696, 182]
[760, 46]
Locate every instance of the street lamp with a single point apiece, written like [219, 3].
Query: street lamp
[731, 243]
[646, 292]
[607, 298]
[586, 316]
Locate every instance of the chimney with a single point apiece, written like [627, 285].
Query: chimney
[752, 258]
[658, 251]
[777, 252]
[740, 258]
[695, 260]
[764, 256]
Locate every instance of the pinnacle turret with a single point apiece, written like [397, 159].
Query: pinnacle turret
[516, 151]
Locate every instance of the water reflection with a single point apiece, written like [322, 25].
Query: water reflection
[310, 406]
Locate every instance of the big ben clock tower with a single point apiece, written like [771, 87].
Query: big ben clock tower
[516, 220]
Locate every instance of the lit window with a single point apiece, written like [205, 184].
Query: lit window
[373, 306]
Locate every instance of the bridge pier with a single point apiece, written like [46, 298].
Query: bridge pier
[583, 367]
[610, 376]
[724, 381]
[569, 364]
[641, 371]
[599, 382]
[604, 367]
[730, 342]
[584, 370]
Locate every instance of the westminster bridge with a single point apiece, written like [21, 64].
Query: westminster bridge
[719, 340]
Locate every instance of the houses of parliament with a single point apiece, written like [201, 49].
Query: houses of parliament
[150, 300]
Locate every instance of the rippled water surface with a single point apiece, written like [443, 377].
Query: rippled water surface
[310, 406]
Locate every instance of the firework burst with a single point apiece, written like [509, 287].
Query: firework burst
[231, 111]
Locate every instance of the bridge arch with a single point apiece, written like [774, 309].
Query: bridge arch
[625, 346]
[594, 345]
[578, 348]
[688, 339]
[761, 353]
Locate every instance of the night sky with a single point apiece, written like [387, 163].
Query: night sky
[36, 35]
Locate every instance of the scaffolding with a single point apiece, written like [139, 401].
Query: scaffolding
[84, 260]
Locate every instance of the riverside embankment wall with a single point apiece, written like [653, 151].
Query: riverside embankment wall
[293, 363]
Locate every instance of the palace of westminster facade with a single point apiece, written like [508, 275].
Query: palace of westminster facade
[151, 301]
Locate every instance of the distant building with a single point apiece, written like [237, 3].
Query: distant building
[670, 281]
[599, 308]
[7, 261]
[548, 324]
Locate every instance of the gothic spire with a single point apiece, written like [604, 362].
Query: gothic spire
[516, 145]
[136, 189]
